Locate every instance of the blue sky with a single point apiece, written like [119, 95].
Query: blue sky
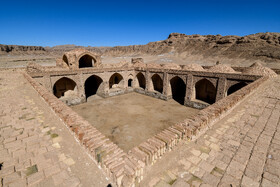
[128, 22]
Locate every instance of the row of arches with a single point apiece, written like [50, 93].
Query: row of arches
[204, 90]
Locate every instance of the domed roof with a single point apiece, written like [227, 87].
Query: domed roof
[172, 66]
[258, 69]
[139, 65]
[193, 67]
[222, 68]
[153, 65]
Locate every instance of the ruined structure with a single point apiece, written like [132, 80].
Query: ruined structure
[82, 75]
[79, 58]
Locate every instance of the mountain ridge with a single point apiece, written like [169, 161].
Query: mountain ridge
[259, 46]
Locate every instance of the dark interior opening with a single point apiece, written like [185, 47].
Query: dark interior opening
[91, 85]
[86, 61]
[178, 88]
[115, 79]
[205, 91]
[236, 87]
[129, 82]
[65, 60]
[157, 83]
[63, 85]
[141, 80]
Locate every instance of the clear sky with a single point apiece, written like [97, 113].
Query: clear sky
[129, 22]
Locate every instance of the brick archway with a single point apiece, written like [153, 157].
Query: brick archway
[141, 80]
[92, 85]
[63, 85]
[178, 89]
[116, 79]
[205, 91]
[86, 61]
[157, 83]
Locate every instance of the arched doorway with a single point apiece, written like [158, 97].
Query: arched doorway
[178, 88]
[86, 61]
[141, 80]
[205, 91]
[92, 85]
[157, 83]
[116, 79]
[236, 87]
[63, 85]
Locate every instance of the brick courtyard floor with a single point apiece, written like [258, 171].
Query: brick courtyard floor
[36, 149]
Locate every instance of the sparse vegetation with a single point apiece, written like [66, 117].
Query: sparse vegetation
[54, 135]
[32, 169]
[194, 178]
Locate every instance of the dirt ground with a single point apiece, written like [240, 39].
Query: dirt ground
[7, 61]
[132, 118]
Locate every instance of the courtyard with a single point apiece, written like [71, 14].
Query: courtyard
[130, 119]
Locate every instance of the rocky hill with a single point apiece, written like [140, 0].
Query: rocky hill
[262, 46]
[179, 48]
[4, 49]
[60, 49]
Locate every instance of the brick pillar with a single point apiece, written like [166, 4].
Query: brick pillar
[189, 88]
[125, 79]
[134, 80]
[148, 82]
[81, 87]
[165, 85]
[47, 83]
[105, 88]
[221, 88]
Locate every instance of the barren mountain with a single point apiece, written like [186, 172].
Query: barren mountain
[261, 46]
[60, 49]
[4, 49]
[177, 48]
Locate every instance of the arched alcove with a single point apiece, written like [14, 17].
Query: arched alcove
[63, 85]
[141, 80]
[205, 91]
[236, 87]
[86, 61]
[178, 88]
[116, 79]
[65, 59]
[92, 85]
[157, 83]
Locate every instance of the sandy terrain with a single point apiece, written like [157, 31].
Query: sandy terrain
[182, 59]
[132, 118]
[15, 61]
